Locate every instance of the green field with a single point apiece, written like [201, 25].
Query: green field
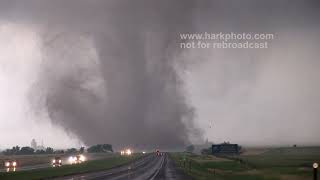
[89, 166]
[273, 164]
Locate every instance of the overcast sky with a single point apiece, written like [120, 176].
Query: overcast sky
[248, 96]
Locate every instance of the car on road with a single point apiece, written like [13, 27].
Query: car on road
[10, 165]
[57, 162]
[158, 153]
[76, 159]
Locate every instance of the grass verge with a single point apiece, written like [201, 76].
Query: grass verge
[276, 164]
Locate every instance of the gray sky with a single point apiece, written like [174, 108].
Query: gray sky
[53, 68]
[258, 97]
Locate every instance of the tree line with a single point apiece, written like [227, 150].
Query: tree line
[26, 150]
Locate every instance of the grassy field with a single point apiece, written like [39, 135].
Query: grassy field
[89, 166]
[272, 164]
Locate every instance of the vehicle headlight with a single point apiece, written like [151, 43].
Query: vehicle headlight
[14, 163]
[71, 159]
[53, 161]
[129, 152]
[7, 164]
[82, 158]
[59, 160]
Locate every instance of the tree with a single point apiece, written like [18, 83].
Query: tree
[107, 147]
[14, 150]
[81, 150]
[100, 148]
[40, 151]
[58, 152]
[49, 150]
[71, 151]
[8, 152]
[26, 150]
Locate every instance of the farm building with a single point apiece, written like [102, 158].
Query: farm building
[220, 149]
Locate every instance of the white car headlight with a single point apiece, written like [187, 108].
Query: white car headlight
[14, 163]
[53, 161]
[82, 158]
[70, 159]
[59, 160]
[128, 152]
[7, 164]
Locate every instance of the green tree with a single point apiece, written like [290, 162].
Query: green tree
[58, 152]
[49, 150]
[100, 148]
[71, 151]
[40, 151]
[26, 150]
[81, 150]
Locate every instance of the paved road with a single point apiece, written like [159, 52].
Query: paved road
[37, 166]
[64, 159]
[151, 167]
[28, 168]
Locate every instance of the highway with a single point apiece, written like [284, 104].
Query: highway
[28, 168]
[151, 167]
[64, 159]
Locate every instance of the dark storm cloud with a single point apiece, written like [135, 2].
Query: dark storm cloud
[111, 71]
[140, 101]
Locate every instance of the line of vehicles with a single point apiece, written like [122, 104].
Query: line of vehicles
[76, 159]
[158, 153]
[11, 165]
[127, 152]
